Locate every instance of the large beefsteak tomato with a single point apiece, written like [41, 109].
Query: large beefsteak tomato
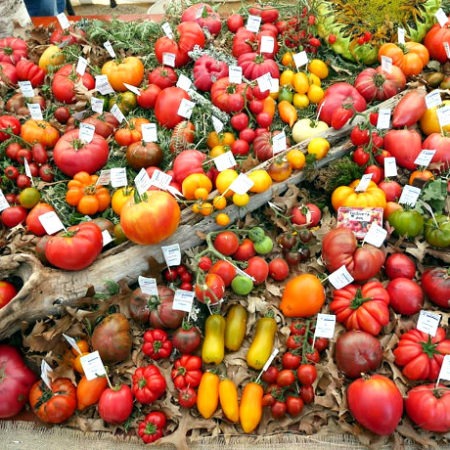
[12, 49]
[405, 145]
[255, 65]
[129, 70]
[207, 70]
[372, 197]
[204, 15]
[64, 82]
[435, 39]
[167, 106]
[227, 96]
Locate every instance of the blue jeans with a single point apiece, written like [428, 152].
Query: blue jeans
[45, 7]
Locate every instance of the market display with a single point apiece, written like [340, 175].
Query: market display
[229, 224]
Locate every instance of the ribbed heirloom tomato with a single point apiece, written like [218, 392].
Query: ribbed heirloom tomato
[129, 70]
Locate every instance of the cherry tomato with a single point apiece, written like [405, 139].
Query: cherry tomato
[285, 378]
[226, 242]
[270, 375]
[278, 269]
[278, 409]
[307, 394]
[307, 374]
[290, 361]
[294, 405]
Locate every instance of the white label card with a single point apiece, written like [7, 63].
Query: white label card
[51, 222]
[409, 195]
[102, 85]
[241, 184]
[27, 169]
[376, 235]
[45, 373]
[267, 44]
[364, 182]
[300, 59]
[86, 133]
[386, 64]
[63, 21]
[109, 49]
[235, 74]
[447, 49]
[265, 82]
[169, 59]
[172, 254]
[424, 157]
[133, 89]
[444, 372]
[428, 322]
[97, 105]
[271, 358]
[441, 17]
[72, 342]
[184, 82]
[104, 178]
[117, 113]
[390, 167]
[443, 115]
[142, 181]
[160, 179]
[217, 124]
[148, 285]
[118, 177]
[275, 83]
[167, 30]
[106, 238]
[325, 325]
[433, 99]
[35, 111]
[92, 365]
[279, 143]
[253, 23]
[183, 300]
[401, 35]
[340, 278]
[149, 132]
[224, 161]
[185, 108]
[81, 65]
[384, 118]
[3, 202]
[26, 88]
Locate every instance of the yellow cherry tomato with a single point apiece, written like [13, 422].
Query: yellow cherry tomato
[240, 199]
[288, 60]
[296, 158]
[120, 197]
[286, 77]
[300, 82]
[225, 138]
[319, 68]
[300, 101]
[224, 180]
[219, 202]
[315, 94]
[319, 147]
[314, 79]
[223, 219]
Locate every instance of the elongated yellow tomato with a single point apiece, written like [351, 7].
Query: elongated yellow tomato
[151, 220]
[228, 396]
[213, 349]
[261, 347]
[208, 394]
[52, 58]
[372, 197]
[129, 70]
[251, 407]
[235, 327]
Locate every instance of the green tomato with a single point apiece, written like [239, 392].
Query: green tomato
[256, 234]
[242, 285]
[437, 233]
[407, 223]
[285, 94]
[264, 247]
[126, 101]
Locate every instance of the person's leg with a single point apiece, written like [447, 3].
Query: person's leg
[60, 6]
[41, 7]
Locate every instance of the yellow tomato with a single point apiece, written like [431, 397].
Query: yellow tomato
[300, 101]
[319, 147]
[300, 82]
[319, 68]
[241, 199]
[223, 219]
[194, 181]
[315, 94]
[120, 197]
[314, 79]
[286, 77]
[288, 60]
[296, 158]
[429, 122]
[219, 202]
[201, 193]
[52, 58]
[203, 208]
[214, 138]
[218, 150]
[261, 180]
[224, 180]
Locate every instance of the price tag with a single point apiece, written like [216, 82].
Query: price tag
[441, 17]
[132, 89]
[81, 65]
[241, 184]
[253, 23]
[148, 285]
[167, 30]
[63, 21]
[45, 373]
[86, 133]
[264, 82]
[117, 113]
[235, 74]
[217, 124]
[35, 111]
[161, 179]
[275, 83]
[118, 177]
[428, 322]
[169, 59]
[172, 254]
[376, 235]
[267, 44]
[443, 115]
[384, 118]
[447, 49]
[142, 181]
[386, 64]
[97, 105]
[27, 169]
[72, 342]
[424, 157]
[185, 108]
[433, 99]
[102, 85]
[149, 132]
[340, 278]
[184, 82]
[51, 222]
[325, 325]
[106, 238]
[105, 177]
[271, 358]
[401, 35]
[92, 365]
[300, 59]
[364, 182]
[279, 143]
[109, 49]
[444, 372]
[224, 161]
[26, 88]
[409, 195]
[3, 202]
[183, 300]
[390, 167]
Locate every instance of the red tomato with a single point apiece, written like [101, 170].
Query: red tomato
[225, 270]
[285, 378]
[406, 296]
[278, 409]
[115, 405]
[162, 77]
[240, 147]
[278, 269]
[307, 374]
[148, 95]
[239, 121]
[258, 268]
[307, 394]
[399, 265]
[7, 292]
[234, 22]
[10, 123]
[211, 290]
[226, 242]
[245, 251]
[436, 285]
[270, 375]
[376, 171]
[309, 214]
[391, 188]
[294, 405]
[65, 80]
[290, 360]
[186, 339]
[13, 215]
[187, 397]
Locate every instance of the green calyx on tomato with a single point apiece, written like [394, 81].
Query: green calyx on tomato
[407, 223]
[358, 300]
[242, 285]
[437, 231]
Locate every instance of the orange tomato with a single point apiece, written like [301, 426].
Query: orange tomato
[372, 197]
[288, 112]
[296, 158]
[269, 106]
[41, 131]
[219, 202]
[225, 138]
[421, 175]
[128, 70]
[76, 362]
[89, 392]
[411, 57]
[223, 219]
[193, 182]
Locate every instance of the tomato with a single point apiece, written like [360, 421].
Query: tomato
[129, 70]
[227, 96]
[437, 231]
[163, 77]
[440, 143]
[410, 57]
[234, 22]
[407, 223]
[270, 375]
[226, 242]
[12, 49]
[372, 197]
[428, 405]
[255, 65]
[211, 289]
[148, 384]
[359, 136]
[213, 349]
[156, 344]
[187, 338]
[294, 405]
[309, 214]
[29, 71]
[242, 285]
[207, 70]
[54, 405]
[167, 105]
[405, 145]
[421, 355]
[391, 188]
[258, 268]
[13, 215]
[11, 124]
[399, 265]
[245, 251]
[239, 121]
[224, 269]
[278, 409]
[360, 156]
[65, 80]
[377, 173]
[278, 269]
[264, 246]
[187, 371]
[143, 154]
[436, 285]
[7, 292]
[116, 404]
[262, 344]
[406, 296]
[148, 95]
[307, 374]
[307, 394]
[376, 403]
[357, 352]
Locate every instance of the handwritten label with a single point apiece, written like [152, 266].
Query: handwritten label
[97, 105]
[424, 157]
[185, 109]
[63, 21]
[217, 124]
[51, 222]
[241, 184]
[183, 300]
[161, 179]
[384, 118]
[267, 44]
[26, 88]
[102, 85]
[428, 322]
[224, 161]
[409, 195]
[253, 23]
[376, 235]
[142, 181]
[86, 132]
[279, 143]
[264, 82]
[184, 82]
[35, 111]
[133, 89]
[275, 83]
[106, 238]
[167, 30]
[149, 132]
[45, 373]
[172, 254]
[386, 64]
[148, 286]
[364, 182]
[109, 49]
[390, 167]
[118, 177]
[443, 114]
[26, 166]
[433, 99]
[401, 35]
[325, 325]
[441, 17]
[444, 372]
[272, 356]
[81, 65]
[340, 278]
[92, 365]
[235, 74]
[72, 342]
[169, 59]
[447, 49]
